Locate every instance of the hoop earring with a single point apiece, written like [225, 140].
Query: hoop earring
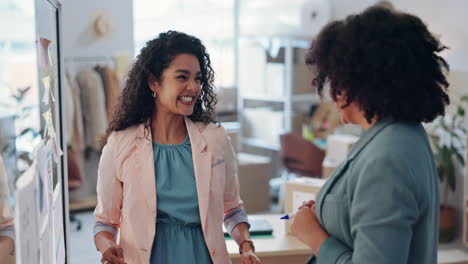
[154, 94]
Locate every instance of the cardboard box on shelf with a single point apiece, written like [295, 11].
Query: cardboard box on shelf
[302, 78]
[254, 172]
[274, 79]
[299, 190]
[338, 147]
[263, 123]
[328, 167]
[227, 100]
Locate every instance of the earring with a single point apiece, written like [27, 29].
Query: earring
[154, 94]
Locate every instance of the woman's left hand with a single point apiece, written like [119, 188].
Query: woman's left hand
[307, 228]
[249, 257]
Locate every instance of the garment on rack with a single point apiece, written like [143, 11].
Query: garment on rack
[77, 141]
[75, 179]
[111, 88]
[93, 105]
[69, 110]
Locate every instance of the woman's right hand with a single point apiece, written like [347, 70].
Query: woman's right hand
[113, 255]
[310, 204]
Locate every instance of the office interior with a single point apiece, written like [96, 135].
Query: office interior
[265, 102]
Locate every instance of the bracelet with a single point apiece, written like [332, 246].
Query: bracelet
[246, 241]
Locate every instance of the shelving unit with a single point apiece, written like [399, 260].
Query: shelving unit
[272, 74]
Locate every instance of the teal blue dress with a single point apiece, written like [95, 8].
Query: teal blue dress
[179, 236]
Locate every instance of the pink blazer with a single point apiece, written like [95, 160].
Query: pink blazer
[126, 188]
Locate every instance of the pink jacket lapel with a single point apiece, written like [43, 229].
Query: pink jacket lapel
[202, 168]
[144, 168]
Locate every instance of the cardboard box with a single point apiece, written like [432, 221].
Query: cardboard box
[299, 190]
[328, 167]
[338, 147]
[302, 79]
[254, 172]
[227, 100]
[274, 79]
[263, 123]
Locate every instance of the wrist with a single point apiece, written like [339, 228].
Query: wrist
[317, 243]
[105, 245]
[6, 244]
[109, 245]
[104, 240]
[246, 246]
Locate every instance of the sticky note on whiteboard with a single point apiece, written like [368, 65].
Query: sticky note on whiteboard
[299, 197]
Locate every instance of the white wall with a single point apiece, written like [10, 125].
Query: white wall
[444, 18]
[447, 18]
[77, 39]
[343, 8]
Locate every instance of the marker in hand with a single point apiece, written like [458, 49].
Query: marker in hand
[288, 216]
[310, 204]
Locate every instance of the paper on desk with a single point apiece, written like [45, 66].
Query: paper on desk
[299, 197]
[57, 226]
[26, 218]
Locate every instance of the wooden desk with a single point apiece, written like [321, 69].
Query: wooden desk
[452, 253]
[281, 248]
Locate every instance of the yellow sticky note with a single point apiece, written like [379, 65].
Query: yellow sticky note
[46, 84]
[50, 130]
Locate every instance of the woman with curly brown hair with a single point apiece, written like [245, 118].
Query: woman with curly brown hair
[381, 205]
[167, 177]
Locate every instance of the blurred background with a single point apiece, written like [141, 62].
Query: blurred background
[287, 138]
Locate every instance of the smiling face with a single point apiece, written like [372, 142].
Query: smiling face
[179, 87]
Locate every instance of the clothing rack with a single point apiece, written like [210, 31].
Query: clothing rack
[76, 63]
[88, 58]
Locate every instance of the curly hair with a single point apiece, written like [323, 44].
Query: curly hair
[386, 62]
[136, 105]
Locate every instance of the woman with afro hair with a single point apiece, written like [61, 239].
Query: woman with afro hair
[167, 177]
[381, 205]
